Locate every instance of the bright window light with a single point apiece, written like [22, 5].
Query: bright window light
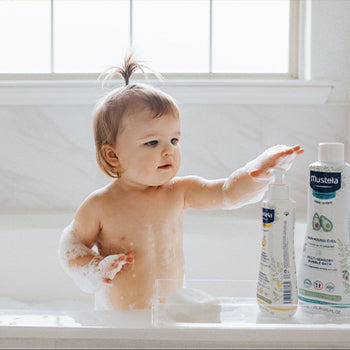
[89, 36]
[250, 36]
[171, 36]
[25, 36]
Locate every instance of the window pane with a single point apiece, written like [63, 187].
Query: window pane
[172, 35]
[25, 36]
[90, 36]
[250, 36]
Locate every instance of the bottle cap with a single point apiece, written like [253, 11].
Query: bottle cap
[279, 189]
[331, 152]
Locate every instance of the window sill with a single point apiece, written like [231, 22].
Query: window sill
[69, 92]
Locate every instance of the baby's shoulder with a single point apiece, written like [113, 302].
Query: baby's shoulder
[97, 197]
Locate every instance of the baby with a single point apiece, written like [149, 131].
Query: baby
[129, 233]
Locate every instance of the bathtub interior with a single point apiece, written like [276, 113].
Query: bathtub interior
[217, 246]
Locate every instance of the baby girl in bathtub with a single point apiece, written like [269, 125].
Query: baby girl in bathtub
[128, 234]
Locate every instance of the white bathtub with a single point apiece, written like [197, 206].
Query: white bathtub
[42, 307]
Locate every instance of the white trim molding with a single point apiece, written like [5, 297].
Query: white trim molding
[220, 91]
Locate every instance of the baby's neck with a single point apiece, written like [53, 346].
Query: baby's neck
[129, 185]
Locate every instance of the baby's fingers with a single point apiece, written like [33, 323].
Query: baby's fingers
[279, 157]
[297, 149]
[107, 280]
[129, 258]
[257, 173]
[121, 260]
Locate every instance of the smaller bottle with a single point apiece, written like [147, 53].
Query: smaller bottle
[277, 293]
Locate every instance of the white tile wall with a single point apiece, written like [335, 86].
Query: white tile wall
[48, 158]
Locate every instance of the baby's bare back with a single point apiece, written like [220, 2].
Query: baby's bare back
[150, 226]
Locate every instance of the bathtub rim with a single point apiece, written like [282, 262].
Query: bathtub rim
[271, 336]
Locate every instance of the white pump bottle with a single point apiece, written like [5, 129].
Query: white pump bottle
[277, 284]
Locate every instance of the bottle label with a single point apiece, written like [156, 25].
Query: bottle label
[324, 184]
[277, 275]
[324, 276]
[268, 217]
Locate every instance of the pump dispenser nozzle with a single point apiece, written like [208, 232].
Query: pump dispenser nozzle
[279, 176]
[279, 189]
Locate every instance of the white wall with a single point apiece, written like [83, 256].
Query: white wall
[330, 45]
[47, 154]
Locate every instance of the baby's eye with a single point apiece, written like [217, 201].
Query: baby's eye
[152, 143]
[174, 141]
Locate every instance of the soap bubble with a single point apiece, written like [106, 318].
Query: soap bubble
[256, 175]
[98, 272]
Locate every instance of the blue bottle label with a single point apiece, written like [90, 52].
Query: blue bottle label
[268, 217]
[324, 184]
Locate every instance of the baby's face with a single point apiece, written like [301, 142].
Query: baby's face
[148, 148]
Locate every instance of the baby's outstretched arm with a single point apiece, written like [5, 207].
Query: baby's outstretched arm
[245, 186]
[89, 270]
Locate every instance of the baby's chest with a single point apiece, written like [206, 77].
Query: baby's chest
[141, 236]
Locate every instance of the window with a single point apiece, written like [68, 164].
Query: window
[80, 38]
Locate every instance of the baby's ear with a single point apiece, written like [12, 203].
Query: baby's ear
[109, 155]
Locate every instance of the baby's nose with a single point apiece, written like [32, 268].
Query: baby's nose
[168, 149]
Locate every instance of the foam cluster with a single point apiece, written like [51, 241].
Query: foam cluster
[193, 305]
[96, 273]
[278, 157]
[248, 184]
[241, 189]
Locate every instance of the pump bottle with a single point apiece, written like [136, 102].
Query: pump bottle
[277, 283]
[324, 274]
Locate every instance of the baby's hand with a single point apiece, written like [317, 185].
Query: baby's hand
[277, 157]
[112, 264]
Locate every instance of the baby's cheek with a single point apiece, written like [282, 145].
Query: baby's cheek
[140, 167]
[178, 157]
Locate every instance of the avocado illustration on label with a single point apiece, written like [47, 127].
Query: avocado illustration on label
[316, 222]
[326, 224]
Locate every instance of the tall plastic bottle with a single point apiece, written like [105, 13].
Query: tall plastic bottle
[324, 274]
[277, 283]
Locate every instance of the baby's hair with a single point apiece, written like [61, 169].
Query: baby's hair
[131, 64]
[111, 109]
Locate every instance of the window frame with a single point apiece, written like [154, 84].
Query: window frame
[294, 55]
[296, 87]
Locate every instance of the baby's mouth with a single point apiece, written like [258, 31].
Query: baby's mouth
[165, 166]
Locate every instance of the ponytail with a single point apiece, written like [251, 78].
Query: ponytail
[131, 64]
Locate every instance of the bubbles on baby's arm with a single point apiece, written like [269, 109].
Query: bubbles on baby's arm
[88, 275]
[278, 157]
[92, 272]
[249, 184]
[71, 248]
[97, 273]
